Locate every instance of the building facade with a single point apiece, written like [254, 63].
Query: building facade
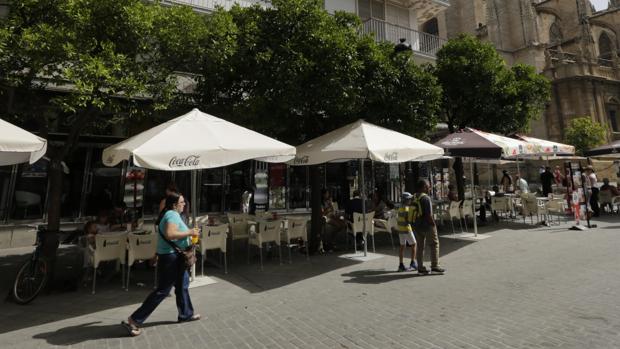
[420, 22]
[567, 41]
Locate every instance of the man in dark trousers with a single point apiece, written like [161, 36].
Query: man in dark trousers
[426, 229]
[546, 179]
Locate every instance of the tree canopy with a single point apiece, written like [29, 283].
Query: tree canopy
[480, 91]
[295, 72]
[86, 64]
[584, 133]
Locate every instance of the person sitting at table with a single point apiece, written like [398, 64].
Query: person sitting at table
[606, 187]
[506, 182]
[102, 224]
[378, 205]
[522, 185]
[333, 223]
[118, 217]
[558, 177]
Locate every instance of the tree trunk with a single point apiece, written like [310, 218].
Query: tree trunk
[315, 205]
[458, 172]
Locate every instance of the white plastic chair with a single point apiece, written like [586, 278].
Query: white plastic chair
[454, 211]
[109, 247]
[140, 247]
[466, 211]
[295, 228]
[387, 225]
[238, 228]
[266, 231]
[557, 208]
[357, 226]
[213, 237]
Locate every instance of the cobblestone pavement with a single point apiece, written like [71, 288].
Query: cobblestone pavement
[543, 287]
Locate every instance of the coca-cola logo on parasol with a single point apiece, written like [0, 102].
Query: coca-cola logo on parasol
[189, 161]
[391, 156]
[454, 141]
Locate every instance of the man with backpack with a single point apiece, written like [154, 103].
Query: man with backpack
[426, 229]
[404, 221]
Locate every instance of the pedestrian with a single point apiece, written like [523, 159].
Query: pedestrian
[546, 179]
[591, 186]
[425, 229]
[405, 220]
[171, 268]
[171, 188]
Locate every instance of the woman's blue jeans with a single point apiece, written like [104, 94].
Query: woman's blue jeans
[171, 271]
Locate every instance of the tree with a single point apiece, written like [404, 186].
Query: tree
[294, 72]
[480, 91]
[115, 58]
[584, 133]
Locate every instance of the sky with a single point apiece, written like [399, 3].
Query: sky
[599, 4]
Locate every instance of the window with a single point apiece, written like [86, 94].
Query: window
[555, 34]
[605, 46]
[371, 9]
[431, 26]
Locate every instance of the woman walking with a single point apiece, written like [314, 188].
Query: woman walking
[171, 269]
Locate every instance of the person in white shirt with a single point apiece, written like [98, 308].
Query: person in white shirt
[591, 186]
[522, 184]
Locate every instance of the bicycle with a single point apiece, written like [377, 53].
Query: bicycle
[32, 276]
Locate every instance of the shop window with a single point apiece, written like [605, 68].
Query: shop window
[30, 190]
[277, 186]
[211, 190]
[298, 187]
[238, 179]
[103, 190]
[154, 191]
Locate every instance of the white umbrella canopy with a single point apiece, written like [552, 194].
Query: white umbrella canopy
[511, 148]
[196, 141]
[18, 145]
[362, 140]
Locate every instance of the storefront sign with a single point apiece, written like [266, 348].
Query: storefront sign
[190, 161]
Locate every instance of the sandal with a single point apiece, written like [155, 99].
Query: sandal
[132, 329]
[194, 317]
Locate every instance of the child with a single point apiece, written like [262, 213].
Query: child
[405, 220]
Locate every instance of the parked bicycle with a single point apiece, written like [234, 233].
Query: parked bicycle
[32, 276]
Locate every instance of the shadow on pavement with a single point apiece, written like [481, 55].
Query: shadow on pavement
[73, 335]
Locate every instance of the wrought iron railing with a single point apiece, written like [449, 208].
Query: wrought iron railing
[210, 5]
[424, 43]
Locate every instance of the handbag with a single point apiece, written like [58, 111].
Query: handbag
[189, 254]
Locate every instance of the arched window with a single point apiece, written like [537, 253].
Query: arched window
[605, 46]
[613, 116]
[555, 34]
[431, 26]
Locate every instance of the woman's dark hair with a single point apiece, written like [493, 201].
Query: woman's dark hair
[171, 200]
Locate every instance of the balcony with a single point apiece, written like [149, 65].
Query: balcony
[210, 5]
[422, 43]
